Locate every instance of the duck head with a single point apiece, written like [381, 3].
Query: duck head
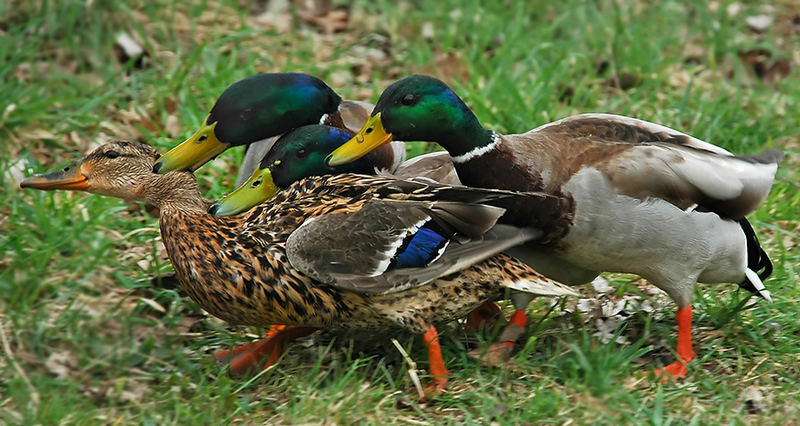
[415, 108]
[123, 170]
[296, 155]
[114, 169]
[256, 108]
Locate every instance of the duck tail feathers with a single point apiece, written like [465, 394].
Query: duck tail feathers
[759, 267]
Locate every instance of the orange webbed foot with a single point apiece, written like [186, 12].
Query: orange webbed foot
[483, 317]
[673, 371]
[250, 358]
[439, 385]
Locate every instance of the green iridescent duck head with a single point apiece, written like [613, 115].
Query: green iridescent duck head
[296, 155]
[416, 108]
[250, 110]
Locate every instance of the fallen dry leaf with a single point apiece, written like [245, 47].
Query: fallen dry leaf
[607, 311]
[765, 67]
[61, 363]
[331, 22]
[759, 23]
[173, 126]
[754, 400]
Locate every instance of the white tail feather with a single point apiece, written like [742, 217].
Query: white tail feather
[542, 287]
[752, 276]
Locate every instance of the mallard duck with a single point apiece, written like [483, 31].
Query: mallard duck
[648, 200]
[255, 110]
[300, 153]
[337, 251]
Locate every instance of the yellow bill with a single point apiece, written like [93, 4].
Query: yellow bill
[255, 191]
[70, 178]
[369, 138]
[193, 152]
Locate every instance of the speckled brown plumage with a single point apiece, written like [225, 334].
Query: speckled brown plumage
[237, 269]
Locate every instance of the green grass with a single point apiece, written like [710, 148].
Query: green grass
[90, 337]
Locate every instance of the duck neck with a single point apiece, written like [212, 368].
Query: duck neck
[468, 148]
[465, 139]
[175, 191]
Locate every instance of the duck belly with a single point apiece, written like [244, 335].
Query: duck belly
[652, 237]
[442, 300]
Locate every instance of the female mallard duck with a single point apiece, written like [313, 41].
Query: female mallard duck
[648, 200]
[338, 251]
[265, 106]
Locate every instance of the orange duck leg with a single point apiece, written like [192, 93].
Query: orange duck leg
[437, 368]
[684, 350]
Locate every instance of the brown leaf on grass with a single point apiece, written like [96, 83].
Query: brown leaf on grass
[321, 14]
[606, 310]
[276, 16]
[127, 390]
[625, 80]
[694, 51]
[331, 22]
[764, 65]
[449, 67]
[173, 126]
[61, 363]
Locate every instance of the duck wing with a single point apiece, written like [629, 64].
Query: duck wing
[644, 160]
[437, 166]
[731, 186]
[619, 128]
[390, 245]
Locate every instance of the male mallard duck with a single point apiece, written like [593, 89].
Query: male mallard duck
[301, 153]
[648, 200]
[265, 106]
[337, 251]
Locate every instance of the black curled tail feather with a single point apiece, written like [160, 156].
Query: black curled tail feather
[757, 259]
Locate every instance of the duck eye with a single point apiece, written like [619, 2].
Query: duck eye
[301, 153]
[111, 154]
[409, 99]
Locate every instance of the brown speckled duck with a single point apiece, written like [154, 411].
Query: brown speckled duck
[648, 200]
[337, 251]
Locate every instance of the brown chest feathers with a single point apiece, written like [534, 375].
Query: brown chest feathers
[500, 168]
